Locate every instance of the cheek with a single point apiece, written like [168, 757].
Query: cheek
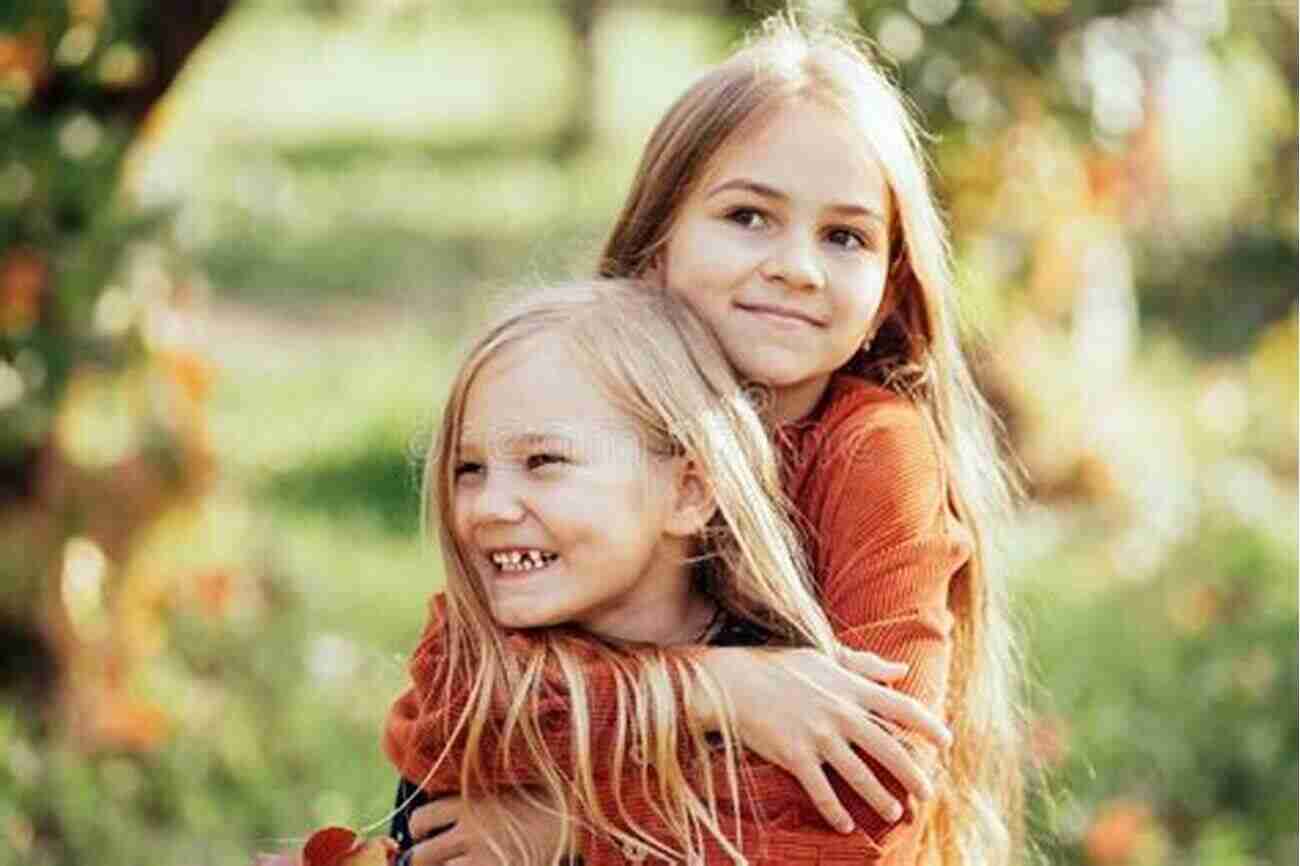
[701, 258]
[459, 524]
[863, 287]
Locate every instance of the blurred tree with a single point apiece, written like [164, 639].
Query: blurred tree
[575, 137]
[1105, 182]
[101, 426]
[1114, 77]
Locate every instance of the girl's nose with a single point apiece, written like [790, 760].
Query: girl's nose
[497, 499]
[794, 262]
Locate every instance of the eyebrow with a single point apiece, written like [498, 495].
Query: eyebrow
[520, 441]
[762, 189]
[529, 440]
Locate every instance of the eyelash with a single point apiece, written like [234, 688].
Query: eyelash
[738, 216]
[533, 461]
[465, 469]
[536, 461]
[858, 238]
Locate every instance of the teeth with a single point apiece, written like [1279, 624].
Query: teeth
[522, 560]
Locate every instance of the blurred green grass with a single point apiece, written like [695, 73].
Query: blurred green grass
[326, 433]
[330, 181]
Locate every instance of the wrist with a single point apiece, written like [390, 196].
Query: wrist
[703, 707]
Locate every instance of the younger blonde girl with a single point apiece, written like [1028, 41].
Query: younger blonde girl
[602, 486]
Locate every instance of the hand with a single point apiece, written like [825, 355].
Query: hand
[472, 823]
[800, 710]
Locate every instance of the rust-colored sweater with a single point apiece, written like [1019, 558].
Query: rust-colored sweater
[865, 473]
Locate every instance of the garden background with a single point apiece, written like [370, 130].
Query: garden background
[239, 242]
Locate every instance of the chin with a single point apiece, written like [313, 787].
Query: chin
[512, 615]
[772, 372]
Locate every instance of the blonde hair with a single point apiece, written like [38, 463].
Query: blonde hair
[915, 351]
[660, 366]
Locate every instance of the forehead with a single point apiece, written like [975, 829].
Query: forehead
[535, 388]
[808, 150]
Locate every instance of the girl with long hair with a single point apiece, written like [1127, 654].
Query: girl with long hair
[631, 501]
[785, 199]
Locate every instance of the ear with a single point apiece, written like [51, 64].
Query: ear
[693, 505]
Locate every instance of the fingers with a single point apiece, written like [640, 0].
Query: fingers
[859, 776]
[872, 666]
[440, 850]
[906, 711]
[808, 770]
[442, 812]
[880, 744]
[891, 704]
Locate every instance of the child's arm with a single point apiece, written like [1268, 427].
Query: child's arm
[422, 739]
[794, 694]
[885, 574]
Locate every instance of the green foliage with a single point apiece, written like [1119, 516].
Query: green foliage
[1177, 691]
[73, 81]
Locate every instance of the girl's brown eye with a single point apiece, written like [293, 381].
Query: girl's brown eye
[747, 217]
[846, 238]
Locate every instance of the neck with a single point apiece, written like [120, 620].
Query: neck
[676, 616]
[796, 402]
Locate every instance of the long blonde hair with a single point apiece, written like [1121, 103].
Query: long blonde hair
[659, 365]
[915, 351]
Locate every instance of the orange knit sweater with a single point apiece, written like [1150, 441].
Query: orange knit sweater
[865, 473]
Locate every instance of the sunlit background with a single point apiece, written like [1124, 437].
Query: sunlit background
[239, 242]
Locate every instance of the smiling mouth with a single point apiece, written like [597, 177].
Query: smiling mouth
[522, 560]
[781, 314]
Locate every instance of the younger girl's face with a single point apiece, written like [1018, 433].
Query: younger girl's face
[783, 248]
[557, 506]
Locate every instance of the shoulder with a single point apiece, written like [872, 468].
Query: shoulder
[875, 475]
[866, 428]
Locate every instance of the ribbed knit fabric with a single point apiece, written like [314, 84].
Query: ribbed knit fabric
[865, 473]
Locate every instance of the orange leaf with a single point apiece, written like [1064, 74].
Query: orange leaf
[1116, 832]
[214, 591]
[372, 852]
[339, 846]
[328, 846]
[23, 277]
[134, 725]
[191, 372]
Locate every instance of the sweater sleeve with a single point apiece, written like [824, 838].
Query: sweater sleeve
[421, 736]
[887, 550]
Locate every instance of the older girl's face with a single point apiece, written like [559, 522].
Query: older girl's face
[559, 508]
[783, 248]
